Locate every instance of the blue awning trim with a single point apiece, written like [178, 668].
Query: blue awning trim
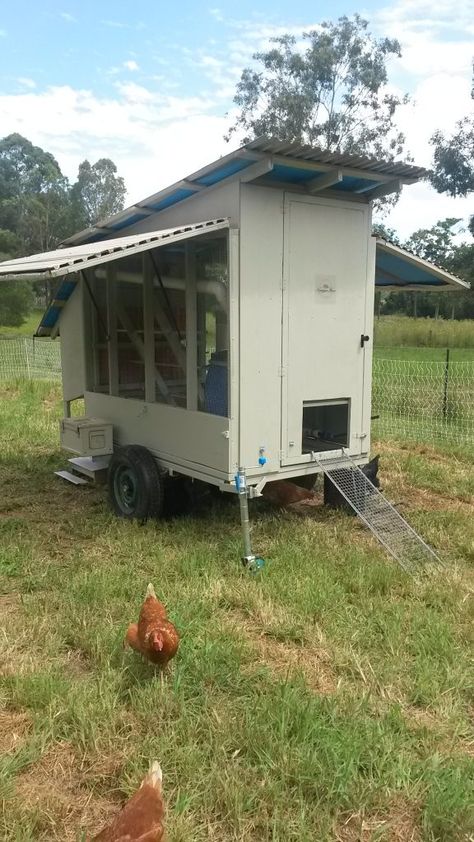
[398, 268]
[172, 199]
[52, 314]
[129, 220]
[293, 164]
[220, 173]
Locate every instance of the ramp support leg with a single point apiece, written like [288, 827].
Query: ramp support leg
[249, 560]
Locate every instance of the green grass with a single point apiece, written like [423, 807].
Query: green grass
[28, 327]
[399, 331]
[405, 352]
[329, 698]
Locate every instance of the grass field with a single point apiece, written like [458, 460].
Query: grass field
[26, 329]
[400, 331]
[328, 699]
[407, 352]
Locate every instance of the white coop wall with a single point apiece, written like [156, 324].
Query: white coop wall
[213, 203]
[261, 255]
[73, 346]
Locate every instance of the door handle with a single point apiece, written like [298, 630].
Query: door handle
[363, 339]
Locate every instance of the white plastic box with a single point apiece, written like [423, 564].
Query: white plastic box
[87, 436]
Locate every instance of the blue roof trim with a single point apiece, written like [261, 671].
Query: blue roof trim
[292, 175]
[351, 184]
[65, 290]
[172, 199]
[392, 270]
[51, 316]
[129, 220]
[237, 165]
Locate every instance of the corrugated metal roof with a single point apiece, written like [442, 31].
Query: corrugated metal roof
[290, 163]
[396, 268]
[299, 151]
[53, 264]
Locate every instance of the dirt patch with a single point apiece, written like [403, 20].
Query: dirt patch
[10, 603]
[14, 730]
[285, 657]
[399, 823]
[55, 787]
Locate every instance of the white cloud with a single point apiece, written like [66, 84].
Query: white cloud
[154, 139]
[115, 24]
[25, 82]
[217, 14]
[131, 65]
[66, 16]
[156, 136]
[436, 40]
[420, 206]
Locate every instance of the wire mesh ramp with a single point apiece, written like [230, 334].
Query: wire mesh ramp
[388, 526]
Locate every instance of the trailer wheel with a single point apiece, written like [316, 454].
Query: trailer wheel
[135, 484]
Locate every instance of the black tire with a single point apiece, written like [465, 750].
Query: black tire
[135, 484]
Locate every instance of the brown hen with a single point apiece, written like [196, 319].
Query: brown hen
[284, 493]
[141, 819]
[154, 636]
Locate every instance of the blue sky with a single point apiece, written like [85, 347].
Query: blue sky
[150, 84]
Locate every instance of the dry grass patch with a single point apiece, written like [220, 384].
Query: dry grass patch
[400, 822]
[285, 657]
[55, 785]
[15, 728]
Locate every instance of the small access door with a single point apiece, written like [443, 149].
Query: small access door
[327, 302]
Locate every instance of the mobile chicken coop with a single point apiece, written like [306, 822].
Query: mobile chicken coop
[221, 329]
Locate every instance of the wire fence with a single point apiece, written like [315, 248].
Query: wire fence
[33, 359]
[413, 399]
[424, 400]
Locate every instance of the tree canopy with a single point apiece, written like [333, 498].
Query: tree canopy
[39, 208]
[328, 88]
[453, 170]
[98, 192]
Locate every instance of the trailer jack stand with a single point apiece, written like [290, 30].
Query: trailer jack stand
[252, 562]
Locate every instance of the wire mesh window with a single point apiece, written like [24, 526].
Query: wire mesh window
[130, 331]
[213, 325]
[100, 373]
[168, 268]
[161, 325]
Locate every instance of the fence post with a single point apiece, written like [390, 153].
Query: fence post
[446, 382]
[28, 370]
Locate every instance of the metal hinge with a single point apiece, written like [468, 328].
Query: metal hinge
[282, 371]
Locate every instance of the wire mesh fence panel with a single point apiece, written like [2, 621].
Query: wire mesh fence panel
[414, 399]
[424, 400]
[33, 359]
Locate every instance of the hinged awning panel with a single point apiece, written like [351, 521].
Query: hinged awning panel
[62, 262]
[396, 269]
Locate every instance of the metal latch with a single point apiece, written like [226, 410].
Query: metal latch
[363, 339]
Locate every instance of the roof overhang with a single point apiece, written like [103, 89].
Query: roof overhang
[266, 161]
[64, 261]
[68, 262]
[397, 269]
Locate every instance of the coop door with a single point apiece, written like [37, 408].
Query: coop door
[325, 313]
